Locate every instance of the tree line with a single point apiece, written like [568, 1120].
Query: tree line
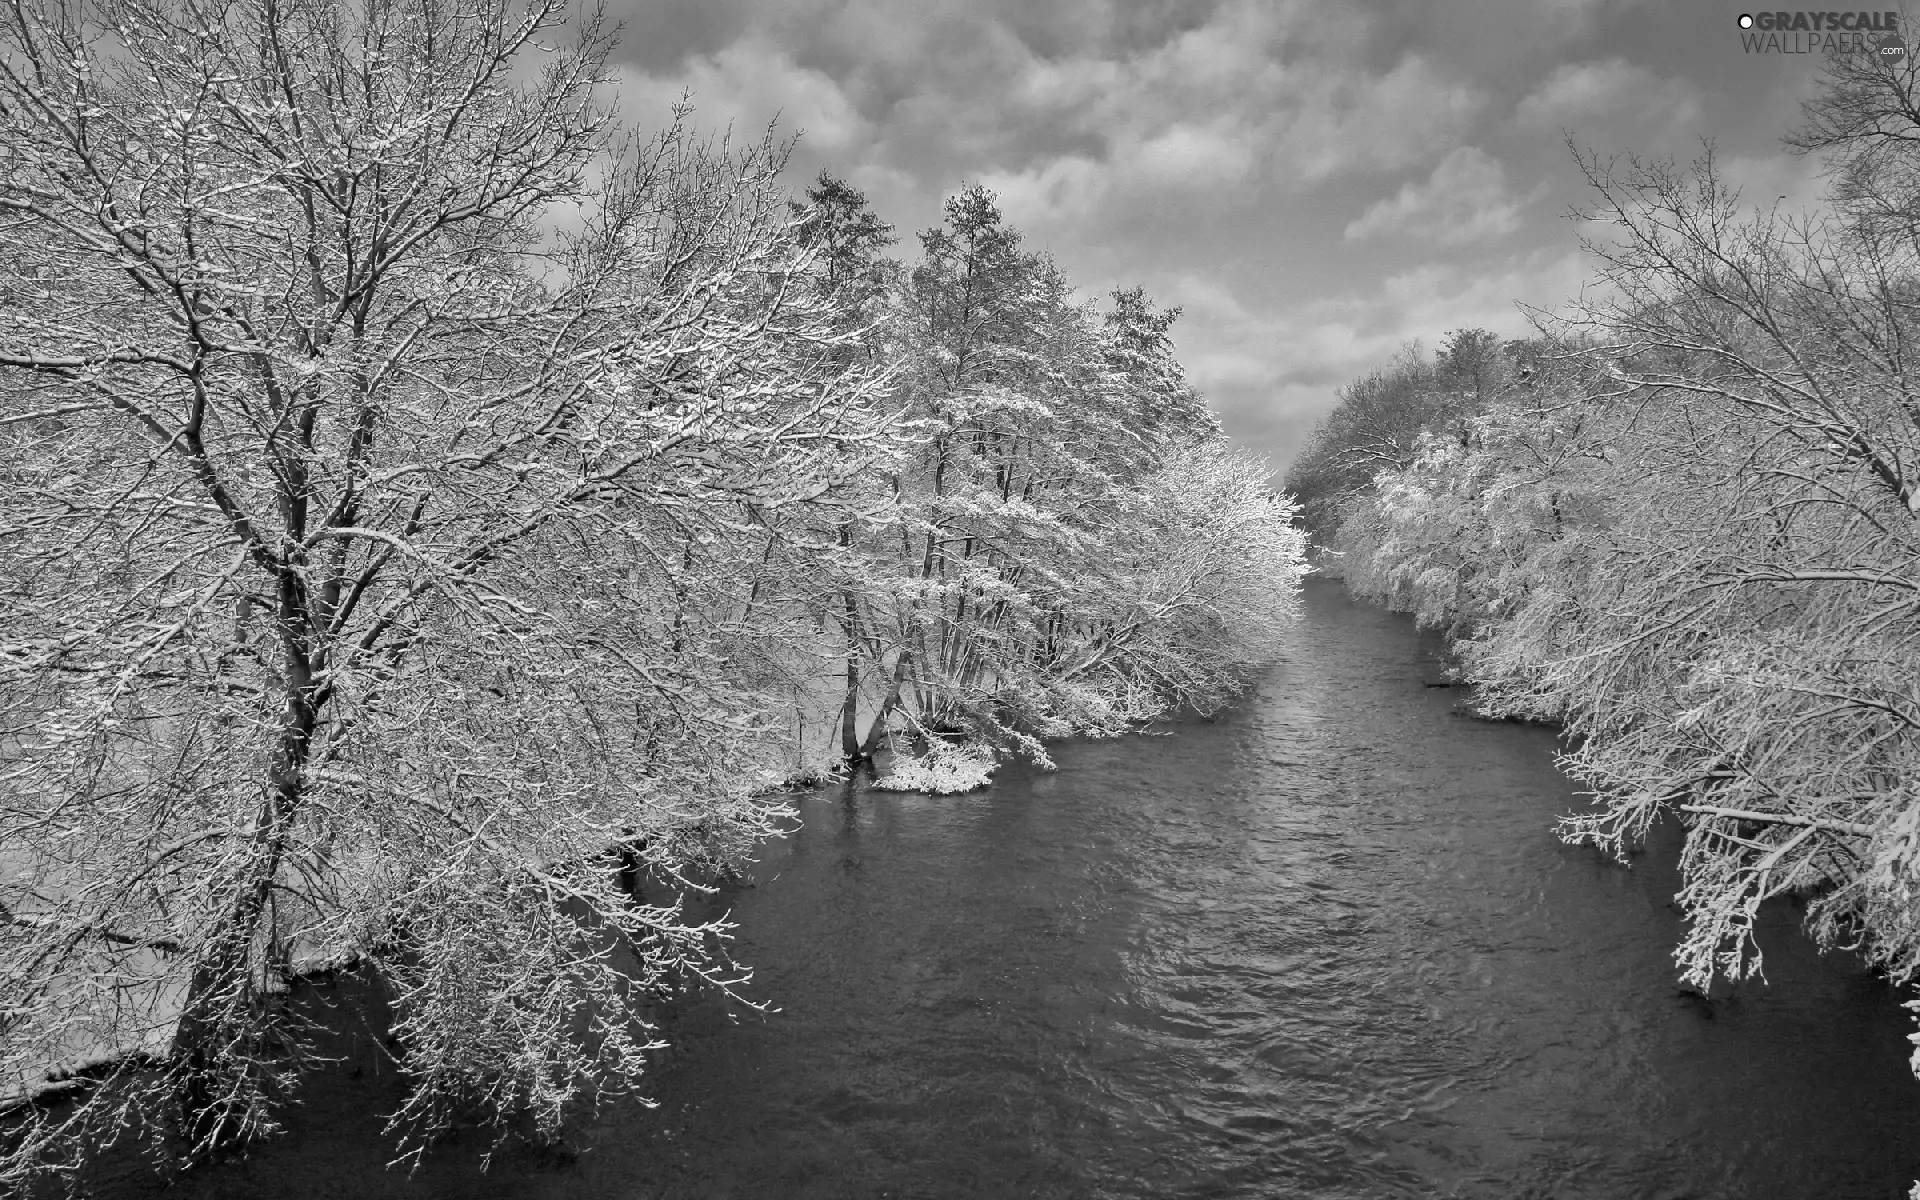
[1682, 524]
[435, 522]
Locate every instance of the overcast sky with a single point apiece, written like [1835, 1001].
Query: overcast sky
[1314, 182]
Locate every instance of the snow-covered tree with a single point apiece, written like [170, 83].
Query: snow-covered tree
[1053, 569]
[1746, 656]
[370, 550]
[1380, 422]
[1488, 511]
[1728, 630]
[431, 521]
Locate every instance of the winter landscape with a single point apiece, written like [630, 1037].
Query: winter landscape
[1092, 600]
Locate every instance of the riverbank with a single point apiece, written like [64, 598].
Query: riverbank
[1324, 944]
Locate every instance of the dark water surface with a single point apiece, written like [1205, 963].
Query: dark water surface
[1326, 945]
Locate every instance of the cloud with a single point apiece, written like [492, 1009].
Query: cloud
[1271, 374]
[1154, 136]
[1232, 110]
[1489, 37]
[659, 34]
[1093, 120]
[1271, 367]
[1339, 118]
[1062, 191]
[1193, 154]
[1271, 165]
[1235, 100]
[1185, 162]
[1427, 300]
[1465, 200]
[746, 85]
[1795, 183]
[1614, 101]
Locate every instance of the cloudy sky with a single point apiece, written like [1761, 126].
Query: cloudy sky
[1315, 182]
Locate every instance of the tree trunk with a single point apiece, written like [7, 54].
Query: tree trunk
[850, 750]
[892, 698]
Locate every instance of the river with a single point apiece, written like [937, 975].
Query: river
[1324, 945]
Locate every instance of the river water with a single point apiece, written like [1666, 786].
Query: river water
[1325, 945]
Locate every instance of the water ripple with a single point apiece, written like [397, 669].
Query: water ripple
[1323, 946]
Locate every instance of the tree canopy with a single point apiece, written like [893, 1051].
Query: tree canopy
[436, 524]
[1688, 535]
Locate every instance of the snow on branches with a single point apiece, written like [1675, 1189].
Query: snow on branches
[385, 443]
[1696, 547]
[433, 525]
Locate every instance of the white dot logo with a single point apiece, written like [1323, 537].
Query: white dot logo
[1746, 20]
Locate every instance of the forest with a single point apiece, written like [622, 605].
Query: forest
[440, 522]
[1679, 523]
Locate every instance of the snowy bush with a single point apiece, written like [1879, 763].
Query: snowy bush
[946, 768]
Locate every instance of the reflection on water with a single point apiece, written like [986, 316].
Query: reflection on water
[1326, 945]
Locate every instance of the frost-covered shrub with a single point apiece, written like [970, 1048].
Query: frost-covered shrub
[946, 768]
[1466, 533]
[1703, 564]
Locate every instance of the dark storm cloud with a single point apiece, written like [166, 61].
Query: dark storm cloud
[659, 35]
